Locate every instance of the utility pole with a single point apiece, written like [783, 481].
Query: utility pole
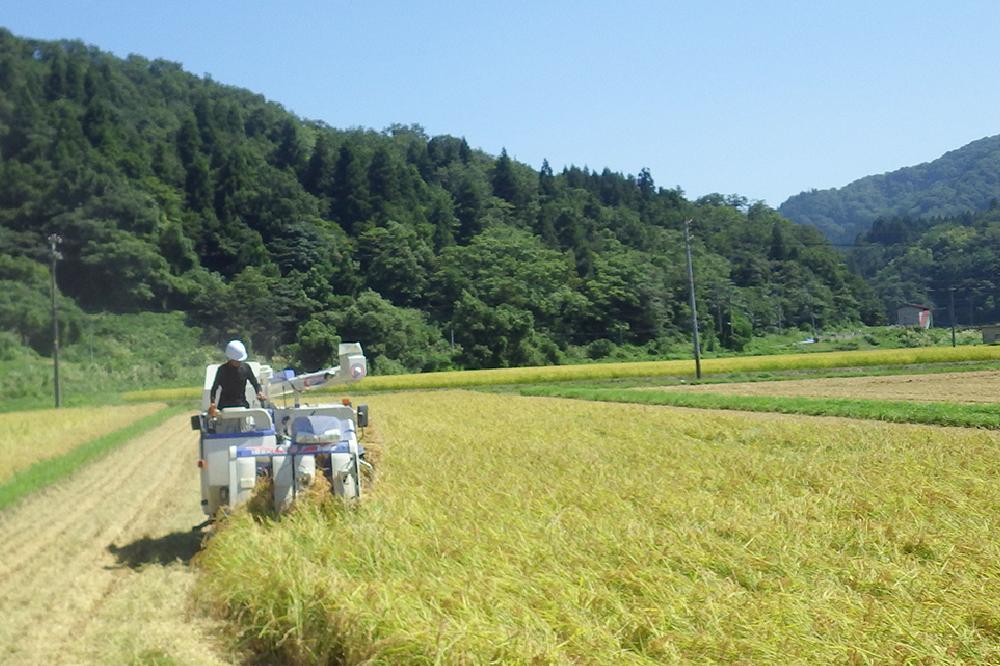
[54, 241]
[781, 313]
[812, 317]
[730, 294]
[694, 305]
[719, 323]
[951, 313]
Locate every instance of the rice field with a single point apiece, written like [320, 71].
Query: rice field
[607, 371]
[31, 436]
[529, 530]
[960, 387]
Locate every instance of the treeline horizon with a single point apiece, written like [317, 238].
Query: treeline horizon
[177, 193]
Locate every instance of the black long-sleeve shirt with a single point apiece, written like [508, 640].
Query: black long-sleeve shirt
[233, 381]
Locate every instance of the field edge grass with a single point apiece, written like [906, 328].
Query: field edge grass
[940, 414]
[46, 472]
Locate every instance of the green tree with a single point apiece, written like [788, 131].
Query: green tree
[396, 263]
[350, 205]
[493, 337]
[124, 272]
[505, 185]
[316, 346]
[546, 181]
[289, 153]
[392, 336]
[469, 203]
[382, 181]
[318, 177]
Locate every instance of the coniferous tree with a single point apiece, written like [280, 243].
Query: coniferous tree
[350, 205]
[289, 153]
[382, 180]
[645, 184]
[318, 177]
[469, 207]
[504, 181]
[546, 181]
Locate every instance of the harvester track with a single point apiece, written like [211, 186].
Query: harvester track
[96, 569]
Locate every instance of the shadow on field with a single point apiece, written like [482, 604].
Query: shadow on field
[161, 550]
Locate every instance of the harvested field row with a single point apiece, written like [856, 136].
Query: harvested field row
[962, 387]
[94, 569]
[30, 436]
[522, 530]
[926, 413]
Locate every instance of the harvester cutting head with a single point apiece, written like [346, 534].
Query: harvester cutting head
[291, 445]
[353, 367]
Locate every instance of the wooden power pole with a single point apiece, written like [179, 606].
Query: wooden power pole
[54, 241]
[694, 304]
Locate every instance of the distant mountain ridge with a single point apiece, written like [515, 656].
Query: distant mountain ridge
[960, 181]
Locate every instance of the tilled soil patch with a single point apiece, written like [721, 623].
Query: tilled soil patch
[968, 387]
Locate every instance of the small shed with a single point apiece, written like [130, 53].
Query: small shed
[913, 314]
[991, 333]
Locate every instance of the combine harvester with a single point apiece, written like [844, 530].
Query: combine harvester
[288, 444]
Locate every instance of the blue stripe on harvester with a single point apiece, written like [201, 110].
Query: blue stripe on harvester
[237, 435]
[297, 450]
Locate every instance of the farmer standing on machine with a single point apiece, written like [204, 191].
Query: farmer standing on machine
[231, 378]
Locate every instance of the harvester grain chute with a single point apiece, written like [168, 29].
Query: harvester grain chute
[290, 444]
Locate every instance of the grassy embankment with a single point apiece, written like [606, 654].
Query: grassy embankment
[529, 530]
[609, 371]
[43, 446]
[930, 413]
[114, 353]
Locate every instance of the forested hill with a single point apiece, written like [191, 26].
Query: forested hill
[174, 192]
[960, 181]
[932, 260]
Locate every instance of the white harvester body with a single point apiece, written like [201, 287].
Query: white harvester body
[291, 444]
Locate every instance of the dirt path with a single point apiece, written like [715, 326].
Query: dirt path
[95, 570]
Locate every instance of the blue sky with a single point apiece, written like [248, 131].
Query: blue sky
[760, 98]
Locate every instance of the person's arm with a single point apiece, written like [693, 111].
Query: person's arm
[255, 383]
[216, 385]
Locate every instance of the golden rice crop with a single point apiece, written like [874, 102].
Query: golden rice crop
[599, 371]
[518, 530]
[966, 387]
[164, 394]
[603, 371]
[29, 436]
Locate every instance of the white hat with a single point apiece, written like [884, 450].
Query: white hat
[236, 351]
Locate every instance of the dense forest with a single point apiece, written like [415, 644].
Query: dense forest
[931, 261]
[172, 192]
[960, 181]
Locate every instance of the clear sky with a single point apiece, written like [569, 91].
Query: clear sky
[760, 98]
